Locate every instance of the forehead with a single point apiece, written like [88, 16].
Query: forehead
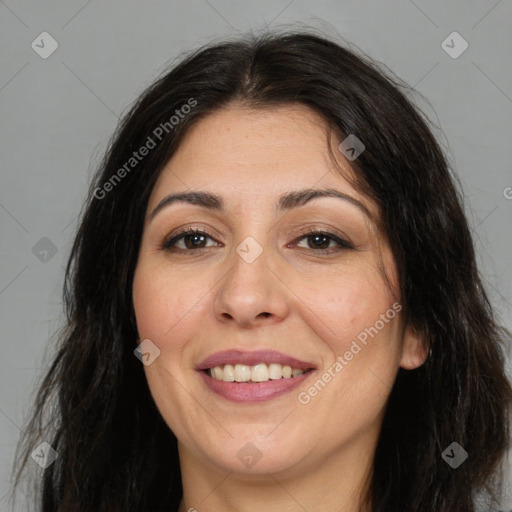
[247, 154]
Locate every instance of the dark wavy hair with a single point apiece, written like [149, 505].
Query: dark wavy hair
[93, 406]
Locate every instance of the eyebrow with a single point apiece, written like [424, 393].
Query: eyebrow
[286, 202]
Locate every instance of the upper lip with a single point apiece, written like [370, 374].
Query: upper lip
[251, 359]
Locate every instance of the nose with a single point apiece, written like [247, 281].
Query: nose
[251, 293]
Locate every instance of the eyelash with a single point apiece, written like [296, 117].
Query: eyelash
[342, 244]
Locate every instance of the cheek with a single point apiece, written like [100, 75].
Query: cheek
[164, 304]
[343, 305]
[360, 325]
[167, 313]
[364, 354]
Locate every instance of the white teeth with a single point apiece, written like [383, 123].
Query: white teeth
[228, 374]
[242, 373]
[287, 372]
[257, 373]
[217, 372]
[275, 371]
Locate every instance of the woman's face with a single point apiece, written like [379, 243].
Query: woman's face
[257, 282]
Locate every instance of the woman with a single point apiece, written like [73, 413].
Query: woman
[275, 234]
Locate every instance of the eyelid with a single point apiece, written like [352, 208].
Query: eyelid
[327, 231]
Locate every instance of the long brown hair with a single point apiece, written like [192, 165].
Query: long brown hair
[115, 451]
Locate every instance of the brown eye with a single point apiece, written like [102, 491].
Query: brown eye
[194, 239]
[320, 241]
[191, 238]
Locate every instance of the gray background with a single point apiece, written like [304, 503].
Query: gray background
[57, 113]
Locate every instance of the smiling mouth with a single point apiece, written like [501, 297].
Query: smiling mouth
[242, 373]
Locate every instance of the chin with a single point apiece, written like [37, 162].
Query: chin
[256, 455]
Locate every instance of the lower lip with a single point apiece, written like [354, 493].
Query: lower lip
[253, 391]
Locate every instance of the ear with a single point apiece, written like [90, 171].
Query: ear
[414, 349]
